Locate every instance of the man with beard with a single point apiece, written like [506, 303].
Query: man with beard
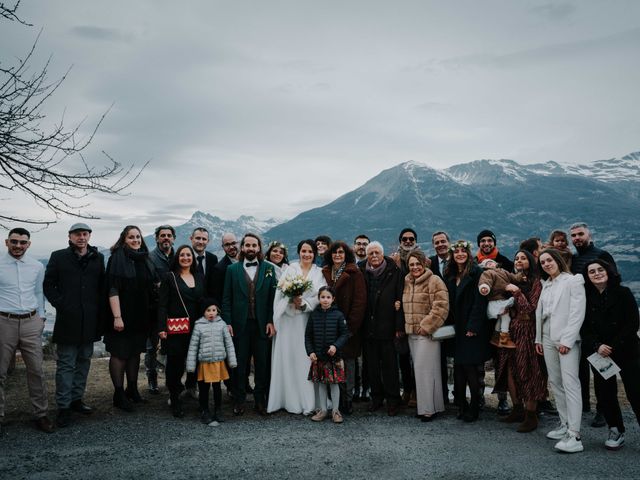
[22, 321]
[361, 385]
[408, 240]
[73, 284]
[161, 257]
[586, 253]
[247, 307]
[205, 261]
[230, 247]
[360, 248]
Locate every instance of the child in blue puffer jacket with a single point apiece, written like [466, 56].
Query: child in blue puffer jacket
[210, 345]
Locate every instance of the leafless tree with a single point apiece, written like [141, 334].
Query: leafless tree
[47, 164]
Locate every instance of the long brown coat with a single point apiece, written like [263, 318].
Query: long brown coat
[351, 300]
[425, 301]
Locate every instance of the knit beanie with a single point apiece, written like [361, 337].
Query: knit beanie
[486, 233]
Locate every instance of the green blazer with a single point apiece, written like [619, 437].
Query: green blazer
[235, 300]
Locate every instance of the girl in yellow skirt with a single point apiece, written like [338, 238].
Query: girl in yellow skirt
[210, 345]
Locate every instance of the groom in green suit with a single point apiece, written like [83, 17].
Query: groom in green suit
[247, 306]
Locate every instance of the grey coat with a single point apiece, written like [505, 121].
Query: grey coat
[210, 342]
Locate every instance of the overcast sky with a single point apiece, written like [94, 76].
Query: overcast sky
[269, 108]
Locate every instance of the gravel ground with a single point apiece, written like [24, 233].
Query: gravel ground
[151, 444]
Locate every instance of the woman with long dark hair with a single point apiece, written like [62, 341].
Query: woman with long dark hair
[519, 370]
[467, 310]
[559, 316]
[342, 274]
[131, 283]
[181, 292]
[611, 328]
[277, 254]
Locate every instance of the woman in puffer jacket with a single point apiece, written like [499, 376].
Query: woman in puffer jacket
[210, 345]
[425, 302]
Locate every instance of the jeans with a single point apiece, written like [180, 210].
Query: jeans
[72, 370]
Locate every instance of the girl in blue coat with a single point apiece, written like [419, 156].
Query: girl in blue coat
[325, 335]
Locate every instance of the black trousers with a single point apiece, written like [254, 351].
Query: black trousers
[467, 375]
[174, 371]
[251, 343]
[406, 372]
[607, 391]
[382, 365]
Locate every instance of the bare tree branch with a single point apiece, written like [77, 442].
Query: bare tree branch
[34, 160]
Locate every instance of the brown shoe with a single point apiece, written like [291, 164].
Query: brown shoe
[337, 417]
[44, 424]
[319, 416]
[530, 422]
[413, 401]
[516, 415]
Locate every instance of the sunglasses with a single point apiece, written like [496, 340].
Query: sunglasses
[408, 239]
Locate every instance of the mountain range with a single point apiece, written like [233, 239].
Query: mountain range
[516, 201]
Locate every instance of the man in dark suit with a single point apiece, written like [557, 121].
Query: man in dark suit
[247, 306]
[231, 252]
[441, 243]
[206, 261]
[73, 284]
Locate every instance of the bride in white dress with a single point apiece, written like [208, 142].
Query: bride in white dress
[289, 388]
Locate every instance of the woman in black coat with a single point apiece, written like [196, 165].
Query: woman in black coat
[131, 283]
[610, 328]
[181, 291]
[467, 311]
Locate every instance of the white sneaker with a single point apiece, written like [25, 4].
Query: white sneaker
[571, 443]
[558, 433]
[615, 440]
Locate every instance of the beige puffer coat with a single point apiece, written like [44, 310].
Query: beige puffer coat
[425, 301]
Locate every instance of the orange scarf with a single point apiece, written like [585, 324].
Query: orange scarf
[492, 256]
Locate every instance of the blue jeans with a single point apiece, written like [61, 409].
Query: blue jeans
[72, 370]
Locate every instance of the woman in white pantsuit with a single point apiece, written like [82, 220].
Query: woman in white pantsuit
[559, 316]
[425, 301]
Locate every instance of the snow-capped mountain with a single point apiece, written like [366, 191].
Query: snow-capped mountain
[516, 201]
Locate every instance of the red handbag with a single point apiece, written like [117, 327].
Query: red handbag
[181, 325]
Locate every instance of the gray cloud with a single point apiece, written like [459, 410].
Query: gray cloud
[554, 11]
[102, 34]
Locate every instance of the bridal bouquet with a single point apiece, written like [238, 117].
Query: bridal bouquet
[293, 286]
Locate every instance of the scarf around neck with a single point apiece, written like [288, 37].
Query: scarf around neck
[376, 272]
[492, 256]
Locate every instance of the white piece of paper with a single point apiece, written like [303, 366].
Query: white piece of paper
[606, 367]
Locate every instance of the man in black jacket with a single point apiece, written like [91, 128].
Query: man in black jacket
[586, 252]
[205, 261]
[73, 285]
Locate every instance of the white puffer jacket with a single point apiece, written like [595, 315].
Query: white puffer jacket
[210, 342]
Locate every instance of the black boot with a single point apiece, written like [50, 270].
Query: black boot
[471, 415]
[133, 394]
[176, 406]
[121, 401]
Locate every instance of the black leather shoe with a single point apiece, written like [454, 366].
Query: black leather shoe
[80, 407]
[134, 396]
[63, 419]
[375, 406]
[260, 409]
[121, 401]
[45, 425]
[238, 409]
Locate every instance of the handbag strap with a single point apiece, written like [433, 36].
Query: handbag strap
[179, 295]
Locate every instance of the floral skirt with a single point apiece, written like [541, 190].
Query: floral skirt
[212, 372]
[327, 371]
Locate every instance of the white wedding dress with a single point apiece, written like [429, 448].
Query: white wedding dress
[289, 388]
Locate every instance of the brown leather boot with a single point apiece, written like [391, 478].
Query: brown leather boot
[530, 422]
[516, 415]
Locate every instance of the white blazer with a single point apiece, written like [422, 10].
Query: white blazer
[567, 310]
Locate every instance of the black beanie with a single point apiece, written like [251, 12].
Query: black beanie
[486, 233]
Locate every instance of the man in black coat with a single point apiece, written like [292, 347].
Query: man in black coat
[230, 247]
[73, 284]
[587, 252]
[206, 261]
[382, 324]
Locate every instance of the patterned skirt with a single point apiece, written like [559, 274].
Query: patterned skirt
[212, 372]
[327, 371]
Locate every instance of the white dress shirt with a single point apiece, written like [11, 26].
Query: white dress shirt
[251, 271]
[21, 285]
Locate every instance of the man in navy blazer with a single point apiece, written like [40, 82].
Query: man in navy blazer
[247, 307]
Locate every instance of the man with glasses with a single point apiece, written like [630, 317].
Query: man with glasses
[161, 256]
[361, 382]
[22, 321]
[360, 248]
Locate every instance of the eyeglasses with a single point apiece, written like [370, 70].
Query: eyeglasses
[229, 244]
[408, 239]
[13, 241]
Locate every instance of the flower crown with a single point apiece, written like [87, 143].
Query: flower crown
[460, 244]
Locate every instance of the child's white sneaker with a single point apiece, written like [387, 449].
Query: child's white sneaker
[571, 443]
[558, 433]
[615, 440]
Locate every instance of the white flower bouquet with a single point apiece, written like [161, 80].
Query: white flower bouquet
[293, 286]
